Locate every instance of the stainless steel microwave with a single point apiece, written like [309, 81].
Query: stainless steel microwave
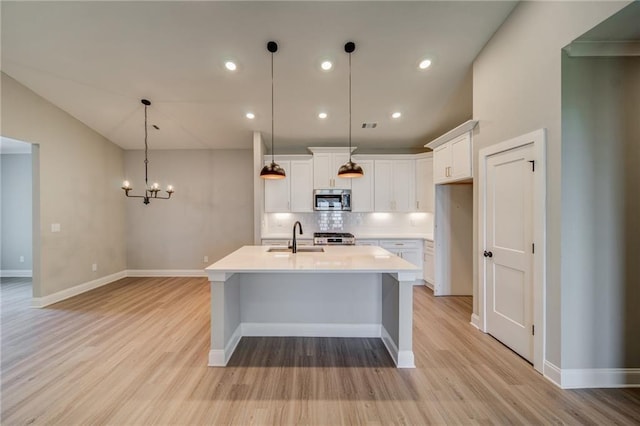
[332, 199]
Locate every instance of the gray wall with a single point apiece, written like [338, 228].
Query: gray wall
[600, 212]
[16, 211]
[79, 178]
[211, 213]
[517, 89]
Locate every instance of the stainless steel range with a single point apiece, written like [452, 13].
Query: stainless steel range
[333, 238]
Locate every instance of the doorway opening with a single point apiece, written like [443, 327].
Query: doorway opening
[19, 201]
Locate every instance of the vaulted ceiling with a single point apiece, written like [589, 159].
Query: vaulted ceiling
[96, 60]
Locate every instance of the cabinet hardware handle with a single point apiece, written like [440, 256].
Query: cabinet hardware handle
[418, 205]
[488, 254]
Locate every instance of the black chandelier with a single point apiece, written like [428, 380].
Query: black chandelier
[150, 191]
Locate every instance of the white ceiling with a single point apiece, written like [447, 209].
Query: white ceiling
[96, 60]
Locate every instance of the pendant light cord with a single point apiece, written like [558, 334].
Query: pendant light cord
[349, 107]
[146, 149]
[273, 136]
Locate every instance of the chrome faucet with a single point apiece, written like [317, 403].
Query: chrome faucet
[294, 245]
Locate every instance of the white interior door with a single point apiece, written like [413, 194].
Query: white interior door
[509, 246]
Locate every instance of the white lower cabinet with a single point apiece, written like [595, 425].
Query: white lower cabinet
[429, 264]
[409, 250]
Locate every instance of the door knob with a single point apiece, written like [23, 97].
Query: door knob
[488, 254]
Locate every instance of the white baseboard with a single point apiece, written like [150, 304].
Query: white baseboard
[475, 321]
[41, 302]
[552, 373]
[166, 273]
[16, 273]
[579, 378]
[220, 357]
[402, 359]
[310, 330]
[601, 378]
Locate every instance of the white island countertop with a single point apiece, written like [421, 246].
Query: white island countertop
[357, 259]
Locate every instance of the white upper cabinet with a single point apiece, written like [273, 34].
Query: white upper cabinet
[395, 185]
[452, 154]
[424, 184]
[276, 191]
[325, 168]
[362, 188]
[452, 161]
[294, 193]
[301, 185]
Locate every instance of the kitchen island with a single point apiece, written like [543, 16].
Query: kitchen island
[342, 291]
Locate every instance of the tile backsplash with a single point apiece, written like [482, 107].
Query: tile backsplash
[356, 223]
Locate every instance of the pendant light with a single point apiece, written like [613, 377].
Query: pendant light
[273, 170]
[350, 169]
[149, 192]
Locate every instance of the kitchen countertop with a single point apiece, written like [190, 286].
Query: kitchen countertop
[359, 236]
[357, 259]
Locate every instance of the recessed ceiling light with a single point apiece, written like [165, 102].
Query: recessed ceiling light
[424, 64]
[231, 66]
[396, 115]
[250, 115]
[322, 115]
[326, 65]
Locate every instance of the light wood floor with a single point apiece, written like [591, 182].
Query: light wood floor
[135, 352]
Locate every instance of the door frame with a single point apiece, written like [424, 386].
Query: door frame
[539, 139]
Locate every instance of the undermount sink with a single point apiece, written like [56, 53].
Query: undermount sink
[300, 250]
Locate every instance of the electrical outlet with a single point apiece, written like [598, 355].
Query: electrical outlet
[279, 223]
[94, 267]
[206, 259]
[55, 227]
[21, 259]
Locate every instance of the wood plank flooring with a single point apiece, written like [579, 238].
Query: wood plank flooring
[135, 352]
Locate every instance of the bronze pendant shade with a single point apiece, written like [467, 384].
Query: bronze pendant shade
[350, 169]
[273, 170]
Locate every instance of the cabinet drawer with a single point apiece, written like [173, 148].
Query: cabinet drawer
[428, 247]
[286, 243]
[399, 244]
[275, 243]
[367, 243]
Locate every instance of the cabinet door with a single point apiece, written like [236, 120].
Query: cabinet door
[460, 158]
[383, 192]
[441, 163]
[276, 191]
[362, 189]
[429, 267]
[322, 178]
[424, 185]
[404, 185]
[338, 160]
[412, 256]
[302, 185]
